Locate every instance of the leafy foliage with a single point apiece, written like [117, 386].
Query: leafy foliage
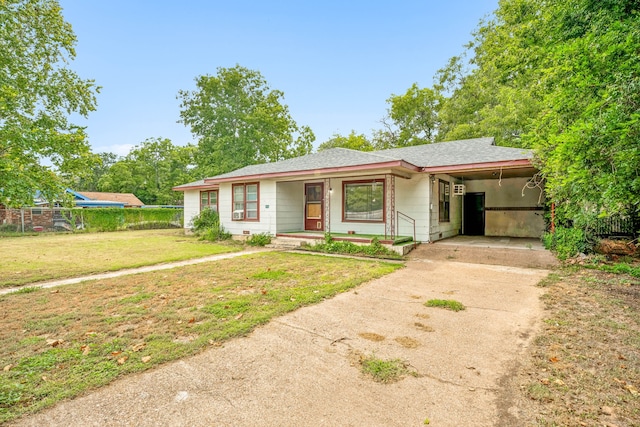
[91, 182]
[375, 249]
[259, 239]
[240, 121]
[411, 120]
[560, 77]
[566, 242]
[353, 142]
[112, 219]
[150, 171]
[37, 94]
[207, 225]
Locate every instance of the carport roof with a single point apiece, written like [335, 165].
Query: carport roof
[414, 159]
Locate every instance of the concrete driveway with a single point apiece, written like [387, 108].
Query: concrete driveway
[302, 369]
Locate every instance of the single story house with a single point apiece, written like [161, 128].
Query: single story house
[428, 192]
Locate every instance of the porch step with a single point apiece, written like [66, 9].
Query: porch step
[400, 240]
[287, 243]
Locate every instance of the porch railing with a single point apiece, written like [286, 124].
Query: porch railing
[407, 218]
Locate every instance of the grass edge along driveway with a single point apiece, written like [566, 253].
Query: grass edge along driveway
[33, 259]
[58, 344]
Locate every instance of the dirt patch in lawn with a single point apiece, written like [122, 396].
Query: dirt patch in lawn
[583, 369]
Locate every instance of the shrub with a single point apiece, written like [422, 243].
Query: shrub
[375, 249]
[9, 228]
[259, 239]
[566, 242]
[207, 225]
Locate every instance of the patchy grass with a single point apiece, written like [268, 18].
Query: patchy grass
[57, 344]
[583, 369]
[48, 256]
[384, 370]
[448, 304]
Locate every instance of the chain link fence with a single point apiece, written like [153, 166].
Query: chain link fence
[36, 219]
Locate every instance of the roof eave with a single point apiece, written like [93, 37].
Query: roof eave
[320, 171]
[195, 187]
[506, 164]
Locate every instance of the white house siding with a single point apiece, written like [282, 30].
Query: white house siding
[290, 207]
[412, 199]
[507, 193]
[191, 207]
[267, 209]
[441, 230]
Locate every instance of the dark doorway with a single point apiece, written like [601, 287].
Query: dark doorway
[473, 219]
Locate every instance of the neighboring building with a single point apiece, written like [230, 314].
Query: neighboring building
[95, 199]
[460, 187]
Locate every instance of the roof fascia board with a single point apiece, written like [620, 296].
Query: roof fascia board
[479, 166]
[77, 195]
[196, 187]
[314, 172]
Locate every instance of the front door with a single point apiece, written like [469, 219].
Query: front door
[313, 207]
[474, 214]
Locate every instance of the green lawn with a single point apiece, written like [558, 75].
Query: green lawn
[54, 256]
[56, 344]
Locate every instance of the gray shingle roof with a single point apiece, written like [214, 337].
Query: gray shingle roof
[332, 158]
[199, 183]
[462, 152]
[469, 151]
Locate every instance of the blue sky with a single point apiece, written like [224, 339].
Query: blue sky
[336, 61]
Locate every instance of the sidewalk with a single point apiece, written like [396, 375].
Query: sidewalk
[127, 271]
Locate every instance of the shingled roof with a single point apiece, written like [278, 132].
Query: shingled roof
[462, 152]
[128, 199]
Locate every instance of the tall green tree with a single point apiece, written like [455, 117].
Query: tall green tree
[40, 149]
[239, 120]
[588, 134]
[151, 170]
[562, 77]
[488, 87]
[100, 168]
[352, 141]
[412, 119]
